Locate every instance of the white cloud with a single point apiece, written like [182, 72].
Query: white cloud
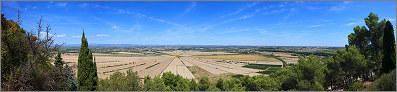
[316, 25]
[84, 5]
[61, 35]
[242, 9]
[34, 7]
[102, 35]
[190, 8]
[351, 23]
[62, 4]
[313, 8]
[347, 2]
[116, 28]
[43, 34]
[275, 11]
[76, 36]
[337, 8]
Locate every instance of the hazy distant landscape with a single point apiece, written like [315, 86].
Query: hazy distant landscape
[198, 46]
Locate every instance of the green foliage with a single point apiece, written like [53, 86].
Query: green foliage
[86, 72]
[13, 50]
[220, 84]
[386, 83]
[58, 60]
[25, 60]
[370, 41]
[346, 65]
[389, 49]
[204, 84]
[157, 84]
[119, 82]
[234, 85]
[265, 83]
[193, 85]
[355, 86]
[308, 74]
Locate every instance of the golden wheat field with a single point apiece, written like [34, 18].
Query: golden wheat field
[239, 57]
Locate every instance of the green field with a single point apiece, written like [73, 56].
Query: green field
[260, 66]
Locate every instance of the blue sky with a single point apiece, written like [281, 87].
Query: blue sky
[264, 23]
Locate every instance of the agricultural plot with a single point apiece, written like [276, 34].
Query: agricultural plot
[177, 67]
[214, 67]
[267, 68]
[239, 57]
[287, 57]
[107, 65]
[192, 53]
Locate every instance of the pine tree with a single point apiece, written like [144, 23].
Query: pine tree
[86, 73]
[58, 60]
[389, 49]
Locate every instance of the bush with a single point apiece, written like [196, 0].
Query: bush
[386, 83]
[356, 86]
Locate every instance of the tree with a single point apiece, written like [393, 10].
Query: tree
[389, 49]
[370, 41]
[287, 77]
[265, 83]
[193, 85]
[204, 84]
[221, 84]
[355, 86]
[25, 59]
[13, 46]
[234, 85]
[133, 80]
[86, 71]
[58, 60]
[71, 81]
[346, 66]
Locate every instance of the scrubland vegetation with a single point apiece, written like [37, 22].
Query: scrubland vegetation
[370, 56]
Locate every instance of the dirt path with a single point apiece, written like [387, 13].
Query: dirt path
[177, 67]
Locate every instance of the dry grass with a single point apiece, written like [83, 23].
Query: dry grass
[239, 57]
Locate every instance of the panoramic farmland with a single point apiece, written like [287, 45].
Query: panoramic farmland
[177, 62]
[198, 46]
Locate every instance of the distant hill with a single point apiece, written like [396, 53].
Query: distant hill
[102, 45]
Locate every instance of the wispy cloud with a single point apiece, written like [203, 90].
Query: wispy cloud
[62, 4]
[351, 23]
[158, 20]
[347, 2]
[337, 8]
[60, 35]
[102, 35]
[275, 11]
[242, 9]
[340, 7]
[77, 36]
[136, 27]
[84, 5]
[313, 8]
[391, 19]
[316, 25]
[190, 8]
[227, 21]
